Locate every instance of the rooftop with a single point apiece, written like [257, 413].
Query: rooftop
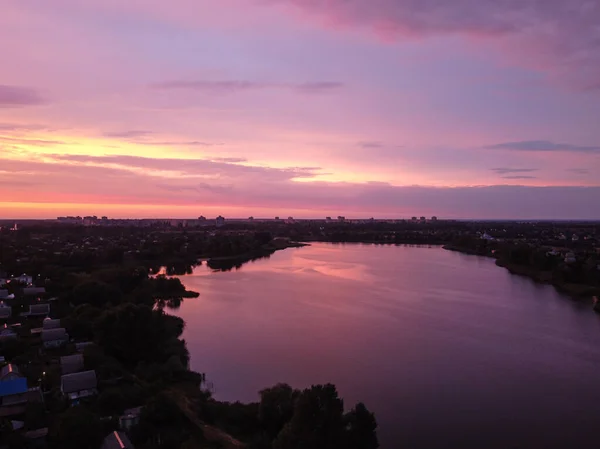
[72, 383]
[117, 440]
[13, 386]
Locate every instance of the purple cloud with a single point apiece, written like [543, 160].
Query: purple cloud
[505, 171]
[558, 36]
[578, 171]
[235, 86]
[519, 177]
[542, 145]
[15, 96]
[370, 145]
[128, 134]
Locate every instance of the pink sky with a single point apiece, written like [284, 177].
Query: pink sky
[389, 108]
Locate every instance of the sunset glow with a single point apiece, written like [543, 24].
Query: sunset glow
[242, 107]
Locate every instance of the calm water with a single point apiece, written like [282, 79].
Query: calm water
[448, 350]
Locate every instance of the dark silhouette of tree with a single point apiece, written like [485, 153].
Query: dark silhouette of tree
[361, 428]
[79, 428]
[317, 422]
[276, 407]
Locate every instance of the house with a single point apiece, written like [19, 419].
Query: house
[50, 324]
[7, 333]
[79, 385]
[34, 291]
[220, 221]
[80, 347]
[9, 372]
[5, 311]
[570, 258]
[24, 279]
[54, 338]
[13, 391]
[71, 363]
[39, 310]
[117, 440]
[130, 418]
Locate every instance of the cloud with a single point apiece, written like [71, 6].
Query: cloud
[504, 170]
[543, 145]
[236, 86]
[230, 160]
[557, 36]
[519, 177]
[370, 145]
[578, 171]
[141, 137]
[21, 127]
[128, 134]
[125, 180]
[217, 168]
[15, 96]
[32, 142]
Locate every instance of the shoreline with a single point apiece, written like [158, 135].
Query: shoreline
[575, 291]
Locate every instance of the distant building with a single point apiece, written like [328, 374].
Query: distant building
[341, 219]
[575, 238]
[34, 291]
[328, 220]
[77, 386]
[422, 219]
[13, 391]
[70, 364]
[3, 294]
[220, 221]
[50, 324]
[54, 338]
[117, 440]
[37, 310]
[7, 333]
[570, 258]
[24, 279]
[9, 372]
[80, 347]
[5, 311]
[413, 219]
[290, 220]
[130, 418]
[434, 218]
[486, 236]
[250, 218]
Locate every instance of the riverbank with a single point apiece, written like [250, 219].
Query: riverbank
[577, 291]
[226, 263]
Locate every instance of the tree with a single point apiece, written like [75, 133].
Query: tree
[276, 407]
[361, 428]
[96, 293]
[79, 428]
[317, 422]
[132, 333]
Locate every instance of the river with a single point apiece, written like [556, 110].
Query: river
[446, 349]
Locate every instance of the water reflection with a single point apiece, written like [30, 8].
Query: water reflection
[448, 350]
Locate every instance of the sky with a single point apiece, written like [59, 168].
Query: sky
[305, 108]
